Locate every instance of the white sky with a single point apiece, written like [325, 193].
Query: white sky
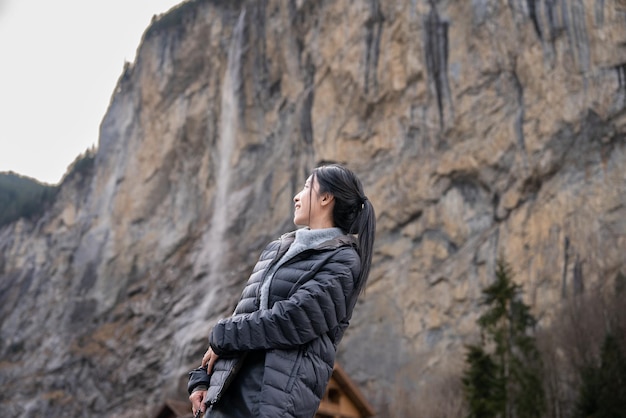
[59, 64]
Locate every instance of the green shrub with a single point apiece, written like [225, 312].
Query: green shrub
[172, 18]
[82, 165]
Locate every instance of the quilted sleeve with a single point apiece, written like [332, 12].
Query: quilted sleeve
[316, 307]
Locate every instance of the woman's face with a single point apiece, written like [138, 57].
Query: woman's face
[306, 205]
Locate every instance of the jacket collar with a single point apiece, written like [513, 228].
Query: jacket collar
[345, 240]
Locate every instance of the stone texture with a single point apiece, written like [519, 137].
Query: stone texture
[480, 128]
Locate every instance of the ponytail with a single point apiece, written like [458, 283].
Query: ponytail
[353, 212]
[366, 231]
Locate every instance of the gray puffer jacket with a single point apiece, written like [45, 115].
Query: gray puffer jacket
[311, 298]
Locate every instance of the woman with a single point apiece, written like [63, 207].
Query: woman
[275, 355]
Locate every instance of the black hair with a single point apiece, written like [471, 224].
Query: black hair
[353, 212]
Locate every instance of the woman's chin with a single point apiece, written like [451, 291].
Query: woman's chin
[298, 222]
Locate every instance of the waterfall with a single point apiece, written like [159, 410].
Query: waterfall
[214, 248]
[229, 121]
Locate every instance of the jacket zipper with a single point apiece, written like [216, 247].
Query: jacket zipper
[232, 373]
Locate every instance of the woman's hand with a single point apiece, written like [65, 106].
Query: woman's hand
[197, 401]
[209, 360]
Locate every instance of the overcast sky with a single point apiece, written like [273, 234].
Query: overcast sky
[59, 63]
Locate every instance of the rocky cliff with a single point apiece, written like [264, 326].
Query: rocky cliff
[480, 128]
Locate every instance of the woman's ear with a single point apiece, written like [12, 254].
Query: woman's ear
[327, 198]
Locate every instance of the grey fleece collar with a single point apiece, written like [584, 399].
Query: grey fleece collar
[311, 238]
[305, 239]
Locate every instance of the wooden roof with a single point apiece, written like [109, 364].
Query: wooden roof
[342, 381]
[174, 409]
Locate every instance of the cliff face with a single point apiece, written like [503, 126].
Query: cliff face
[480, 129]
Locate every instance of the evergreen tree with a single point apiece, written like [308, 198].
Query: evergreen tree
[603, 389]
[513, 388]
[482, 386]
[23, 197]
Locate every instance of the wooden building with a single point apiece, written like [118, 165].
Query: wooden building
[341, 400]
[175, 409]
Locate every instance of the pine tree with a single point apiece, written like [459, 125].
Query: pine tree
[603, 389]
[482, 385]
[512, 387]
